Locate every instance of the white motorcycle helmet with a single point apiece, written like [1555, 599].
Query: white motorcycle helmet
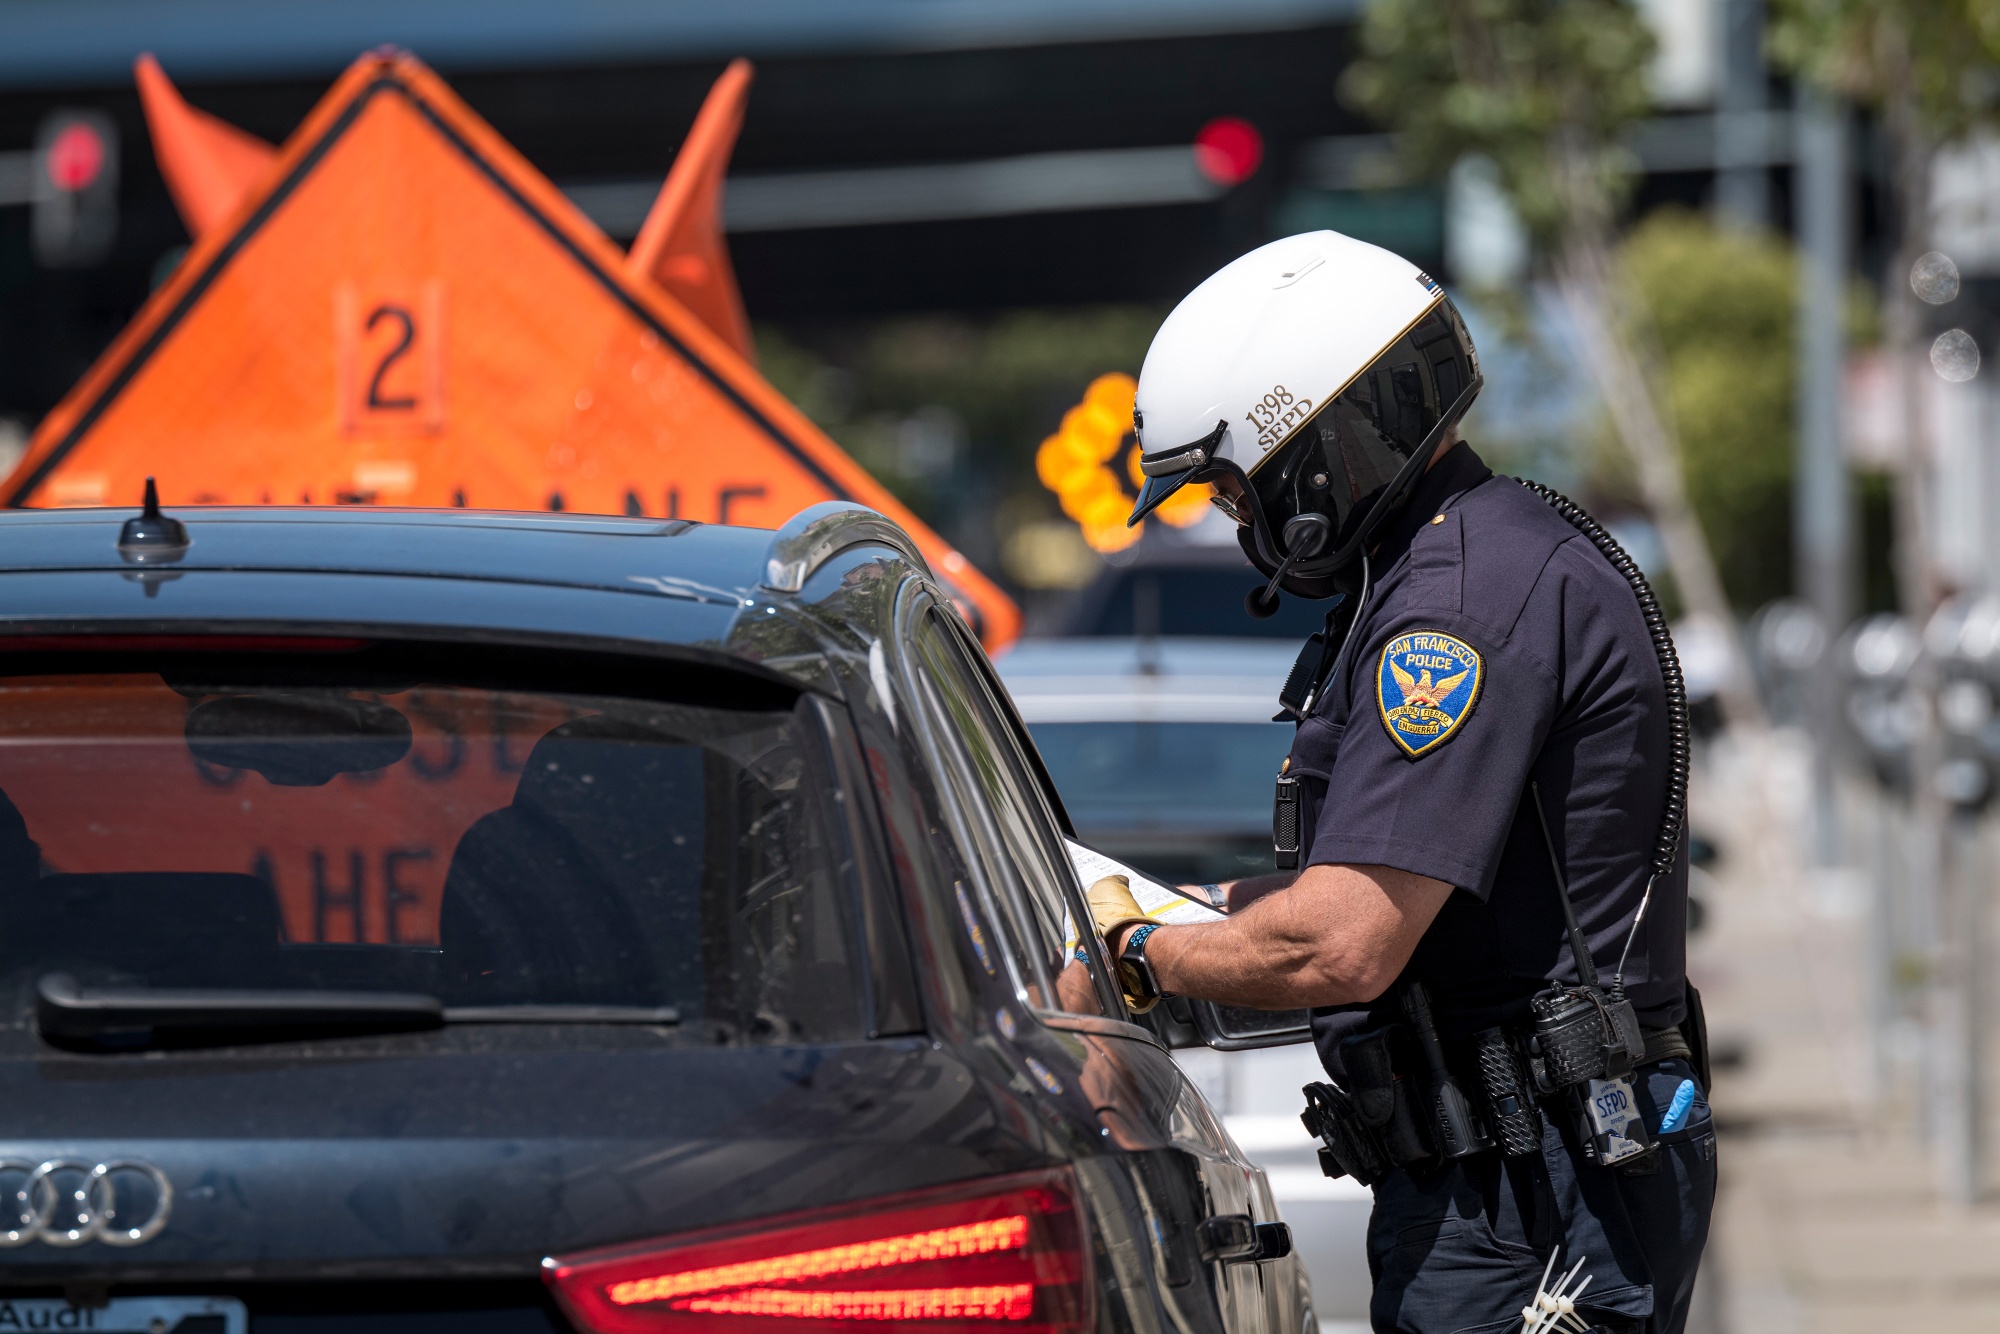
[1319, 371]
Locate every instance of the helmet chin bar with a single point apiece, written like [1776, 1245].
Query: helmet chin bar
[1306, 574]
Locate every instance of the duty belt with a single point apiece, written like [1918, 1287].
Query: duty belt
[1665, 1044]
[1378, 1122]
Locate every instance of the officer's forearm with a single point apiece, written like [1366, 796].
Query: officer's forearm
[1240, 894]
[1337, 935]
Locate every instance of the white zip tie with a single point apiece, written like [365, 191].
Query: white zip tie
[1555, 1308]
[1531, 1316]
[1568, 1305]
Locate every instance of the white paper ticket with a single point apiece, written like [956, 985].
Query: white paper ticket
[1162, 903]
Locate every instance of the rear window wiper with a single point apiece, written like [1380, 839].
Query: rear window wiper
[70, 1015]
[125, 1018]
[665, 1015]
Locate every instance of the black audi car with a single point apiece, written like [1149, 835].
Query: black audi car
[452, 921]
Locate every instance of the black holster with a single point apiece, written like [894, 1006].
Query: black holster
[1374, 1124]
[1347, 1148]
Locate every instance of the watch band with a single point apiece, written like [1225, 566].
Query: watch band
[1134, 972]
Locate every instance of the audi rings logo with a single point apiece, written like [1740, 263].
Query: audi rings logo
[66, 1202]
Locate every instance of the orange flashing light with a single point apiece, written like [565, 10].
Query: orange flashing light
[945, 1243]
[1006, 1301]
[1080, 463]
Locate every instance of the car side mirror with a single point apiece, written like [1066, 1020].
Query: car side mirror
[1181, 1021]
[1240, 1028]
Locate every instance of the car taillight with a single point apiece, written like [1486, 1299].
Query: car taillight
[1006, 1253]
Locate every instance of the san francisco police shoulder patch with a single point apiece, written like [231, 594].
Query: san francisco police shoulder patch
[1425, 687]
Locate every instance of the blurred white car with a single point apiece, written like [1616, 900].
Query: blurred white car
[1165, 754]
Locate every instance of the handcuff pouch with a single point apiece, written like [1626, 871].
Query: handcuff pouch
[1386, 1099]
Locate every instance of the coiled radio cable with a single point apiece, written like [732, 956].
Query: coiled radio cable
[1679, 747]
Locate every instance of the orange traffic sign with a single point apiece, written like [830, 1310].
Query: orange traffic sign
[402, 311]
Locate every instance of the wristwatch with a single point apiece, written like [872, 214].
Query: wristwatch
[1134, 973]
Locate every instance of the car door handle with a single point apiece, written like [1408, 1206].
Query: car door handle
[1274, 1241]
[1230, 1238]
[1238, 1239]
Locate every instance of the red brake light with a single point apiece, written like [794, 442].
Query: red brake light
[1001, 1254]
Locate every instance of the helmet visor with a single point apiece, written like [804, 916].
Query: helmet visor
[1155, 492]
[1343, 461]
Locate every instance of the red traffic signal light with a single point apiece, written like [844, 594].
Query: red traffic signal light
[75, 157]
[75, 189]
[1228, 150]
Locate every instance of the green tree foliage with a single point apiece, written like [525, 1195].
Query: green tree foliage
[1002, 381]
[1722, 305]
[1929, 62]
[1545, 88]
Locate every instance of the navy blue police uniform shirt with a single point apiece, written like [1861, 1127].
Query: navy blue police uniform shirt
[1498, 646]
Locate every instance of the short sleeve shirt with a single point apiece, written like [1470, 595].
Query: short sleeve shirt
[1498, 646]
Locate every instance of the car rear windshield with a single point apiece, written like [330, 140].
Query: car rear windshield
[287, 821]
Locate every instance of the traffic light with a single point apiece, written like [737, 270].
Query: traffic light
[75, 189]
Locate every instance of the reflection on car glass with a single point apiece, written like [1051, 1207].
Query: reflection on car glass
[489, 848]
[1011, 827]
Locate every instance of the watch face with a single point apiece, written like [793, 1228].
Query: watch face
[1140, 995]
[1135, 974]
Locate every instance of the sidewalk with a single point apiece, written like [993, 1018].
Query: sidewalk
[1828, 1219]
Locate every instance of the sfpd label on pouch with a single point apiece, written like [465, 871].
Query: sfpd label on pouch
[1613, 1111]
[1426, 685]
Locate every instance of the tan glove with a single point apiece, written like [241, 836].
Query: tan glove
[1112, 908]
[1112, 905]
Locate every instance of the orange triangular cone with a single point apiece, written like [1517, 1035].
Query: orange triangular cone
[209, 164]
[681, 246]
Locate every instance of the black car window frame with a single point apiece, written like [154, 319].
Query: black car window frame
[976, 849]
[995, 865]
[893, 1006]
[1039, 789]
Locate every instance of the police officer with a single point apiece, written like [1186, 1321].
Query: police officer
[1492, 668]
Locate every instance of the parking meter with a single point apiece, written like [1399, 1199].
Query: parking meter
[1881, 712]
[1963, 638]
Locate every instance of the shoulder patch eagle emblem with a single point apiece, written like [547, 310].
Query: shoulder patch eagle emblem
[1426, 685]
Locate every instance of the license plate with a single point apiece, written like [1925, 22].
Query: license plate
[126, 1315]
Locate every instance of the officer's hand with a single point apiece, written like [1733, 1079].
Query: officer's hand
[1113, 907]
[1112, 910]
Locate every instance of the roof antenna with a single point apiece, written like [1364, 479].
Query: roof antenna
[152, 538]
